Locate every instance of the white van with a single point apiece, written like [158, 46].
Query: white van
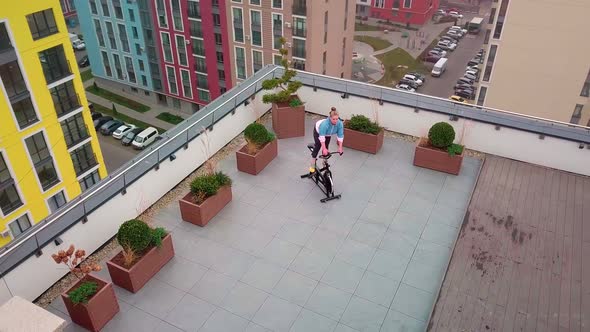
[145, 138]
[439, 67]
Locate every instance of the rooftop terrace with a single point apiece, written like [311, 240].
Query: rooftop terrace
[373, 260]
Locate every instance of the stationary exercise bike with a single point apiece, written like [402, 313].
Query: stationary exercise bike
[323, 177]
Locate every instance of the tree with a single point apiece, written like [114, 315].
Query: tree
[94, 85]
[288, 87]
[115, 110]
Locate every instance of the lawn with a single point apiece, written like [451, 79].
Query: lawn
[170, 118]
[123, 117]
[118, 99]
[376, 43]
[366, 27]
[86, 75]
[398, 62]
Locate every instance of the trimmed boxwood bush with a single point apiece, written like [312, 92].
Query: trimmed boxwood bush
[135, 235]
[363, 124]
[441, 135]
[257, 136]
[207, 185]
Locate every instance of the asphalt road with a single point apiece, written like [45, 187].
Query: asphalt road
[114, 153]
[443, 86]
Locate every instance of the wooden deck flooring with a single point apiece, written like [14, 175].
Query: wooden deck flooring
[522, 260]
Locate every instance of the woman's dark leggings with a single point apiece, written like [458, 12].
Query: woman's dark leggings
[318, 144]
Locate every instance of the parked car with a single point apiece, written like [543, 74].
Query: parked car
[449, 39]
[472, 72]
[472, 68]
[145, 138]
[455, 14]
[108, 128]
[95, 115]
[455, 34]
[441, 12]
[130, 135]
[465, 94]
[100, 121]
[457, 99]
[84, 62]
[447, 45]
[458, 28]
[459, 86]
[408, 82]
[405, 87]
[473, 62]
[122, 130]
[413, 78]
[431, 58]
[420, 76]
[470, 76]
[465, 80]
[440, 50]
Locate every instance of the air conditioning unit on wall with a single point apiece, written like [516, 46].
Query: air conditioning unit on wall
[247, 37]
[288, 24]
[288, 44]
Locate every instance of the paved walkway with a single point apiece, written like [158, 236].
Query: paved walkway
[276, 259]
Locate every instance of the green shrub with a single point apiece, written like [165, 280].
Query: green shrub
[258, 135]
[455, 149]
[363, 124]
[83, 293]
[288, 86]
[206, 186]
[135, 235]
[157, 236]
[441, 135]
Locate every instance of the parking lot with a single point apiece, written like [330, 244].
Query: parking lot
[443, 86]
[114, 153]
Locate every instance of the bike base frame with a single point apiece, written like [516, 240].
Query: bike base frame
[329, 196]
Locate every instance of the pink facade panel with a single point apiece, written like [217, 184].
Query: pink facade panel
[415, 12]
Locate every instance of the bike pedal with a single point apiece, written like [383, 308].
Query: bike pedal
[311, 170]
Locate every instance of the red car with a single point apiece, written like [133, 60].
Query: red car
[431, 58]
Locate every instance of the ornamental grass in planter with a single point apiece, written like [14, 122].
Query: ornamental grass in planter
[91, 301]
[260, 149]
[438, 152]
[288, 111]
[209, 194]
[363, 134]
[145, 251]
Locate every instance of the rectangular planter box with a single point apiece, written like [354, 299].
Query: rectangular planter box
[254, 164]
[288, 121]
[99, 310]
[134, 278]
[201, 214]
[362, 141]
[438, 160]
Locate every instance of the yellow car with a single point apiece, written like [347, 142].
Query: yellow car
[458, 99]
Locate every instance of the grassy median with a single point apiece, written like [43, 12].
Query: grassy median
[376, 43]
[170, 118]
[118, 99]
[397, 63]
[123, 117]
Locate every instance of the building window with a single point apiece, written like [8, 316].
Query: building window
[177, 17]
[204, 95]
[14, 82]
[194, 9]
[141, 65]
[111, 34]
[93, 9]
[83, 159]
[54, 63]
[486, 38]
[24, 113]
[130, 70]
[299, 64]
[9, 198]
[19, 226]
[345, 14]
[343, 50]
[89, 180]
[74, 129]
[501, 18]
[325, 27]
[65, 98]
[255, 2]
[42, 160]
[99, 34]
[196, 29]
[105, 7]
[241, 63]
[488, 71]
[216, 20]
[277, 4]
[407, 3]
[107, 64]
[221, 74]
[123, 38]
[198, 47]
[219, 56]
[186, 84]
[277, 59]
[238, 25]
[42, 24]
[118, 9]
[134, 32]
[218, 39]
[324, 62]
[144, 82]
[161, 11]
[131, 15]
[299, 7]
[200, 65]
[202, 82]
[482, 95]
[181, 49]
[586, 87]
[577, 115]
[222, 90]
[381, 3]
[166, 47]
[118, 67]
[299, 48]
[56, 201]
[277, 30]
[137, 49]
[256, 26]
[492, 16]
[172, 87]
[299, 27]
[257, 61]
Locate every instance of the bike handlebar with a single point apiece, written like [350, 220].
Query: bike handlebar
[328, 155]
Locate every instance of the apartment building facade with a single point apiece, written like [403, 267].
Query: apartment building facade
[520, 74]
[319, 35]
[409, 12]
[68, 8]
[166, 51]
[49, 152]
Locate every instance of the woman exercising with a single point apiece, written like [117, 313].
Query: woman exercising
[322, 133]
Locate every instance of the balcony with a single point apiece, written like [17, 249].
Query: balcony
[300, 8]
[83, 162]
[5, 43]
[55, 67]
[389, 240]
[66, 104]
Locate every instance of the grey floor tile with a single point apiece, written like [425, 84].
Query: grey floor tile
[389, 264]
[364, 315]
[328, 301]
[413, 302]
[263, 275]
[396, 321]
[378, 213]
[280, 252]
[190, 313]
[440, 234]
[462, 183]
[234, 263]
[399, 242]
[426, 189]
[416, 205]
[258, 196]
[157, 298]
[443, 214]
[283, 203]
[269, 222]
[408, 223]
[432, 254]
[432, 176]
[213, 287]
[185, 244]
[224, 321]
[310, 211]
[310, 264]
[377, 289]
[295, 232]
[397, 182]
[224, 231]
[356, 253]
[252, 241]
[244, 300]
[341, 225]
[310, 321]
[238, 211]
[367, 233]
[343, 328]
[164, 326]
[134, 319]
[295, 288]
[391, 196]
[277, 314]
[454, 198]
[324, 242]
[253, 327]
[425, 277]
[181, 273]
[207, 252]
[342, 275]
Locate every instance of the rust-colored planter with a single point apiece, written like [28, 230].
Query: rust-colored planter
[288, 121]
[201, 214]
[439, 160]
[136, 276]
[99, 310]
[254, 164]
[362, 141]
